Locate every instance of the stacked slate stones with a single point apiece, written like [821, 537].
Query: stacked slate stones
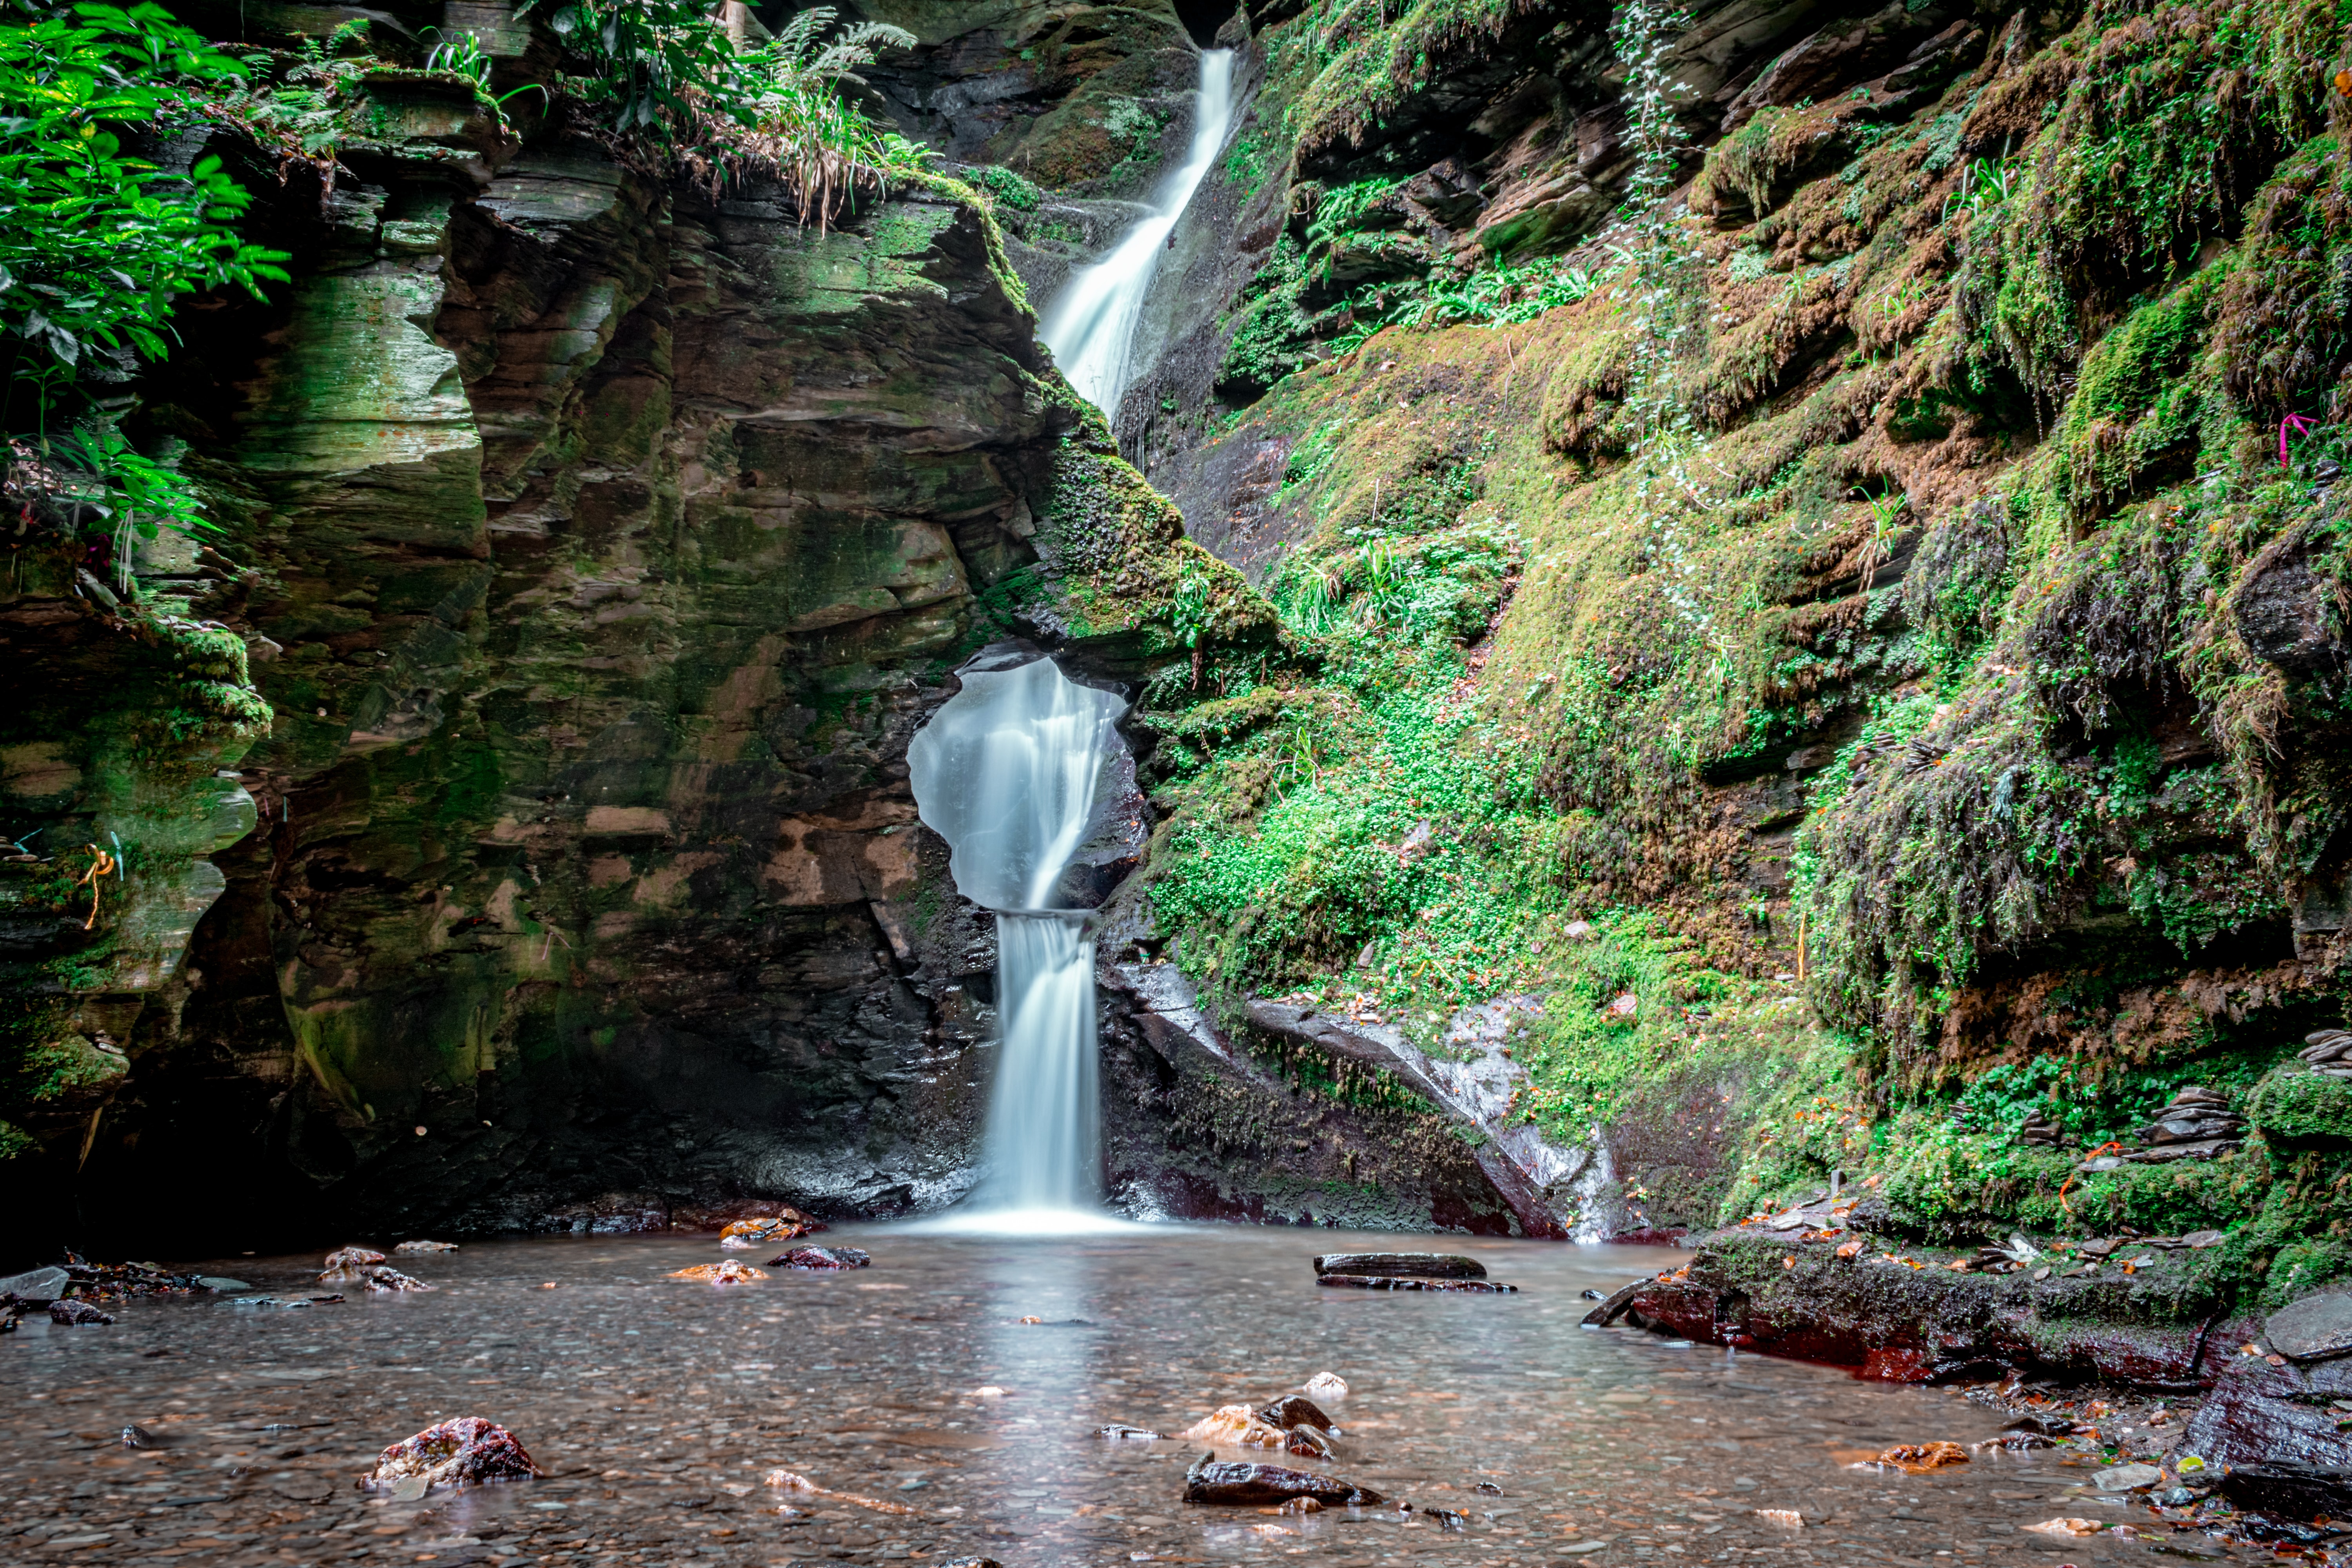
[2039, 1131]
[2197, 1125]
[2329, 1051]
[1407, 1271]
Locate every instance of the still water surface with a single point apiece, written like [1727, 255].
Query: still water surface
[656, 1405]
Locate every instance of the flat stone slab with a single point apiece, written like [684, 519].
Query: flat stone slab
[2313, 1329]
[1416, 1282]
[36, 1285]
[1421, 1265]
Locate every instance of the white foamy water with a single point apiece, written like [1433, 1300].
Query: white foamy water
[1090, 326]
[1007, 772]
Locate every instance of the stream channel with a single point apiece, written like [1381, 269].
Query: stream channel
[657, 1405]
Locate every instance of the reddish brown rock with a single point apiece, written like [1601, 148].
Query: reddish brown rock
[821, 1258]
[1234, 1483]
[465, 1451]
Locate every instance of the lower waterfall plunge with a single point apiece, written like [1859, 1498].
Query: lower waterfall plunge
[1091, 324]
[1008, 773]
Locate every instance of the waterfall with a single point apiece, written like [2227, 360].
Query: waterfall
[1091, 325]
[1007, 772]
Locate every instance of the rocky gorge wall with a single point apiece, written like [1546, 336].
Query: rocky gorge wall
[511, 803]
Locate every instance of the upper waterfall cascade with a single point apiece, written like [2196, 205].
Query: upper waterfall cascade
[1090, 326]
[1008, 772]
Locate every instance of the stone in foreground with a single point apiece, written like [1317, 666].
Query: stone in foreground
[2313, 1329]
[1414, 1282]
[821, 1257]
[1419, 1265]
[1296, 1410]
[2289, 1489]
[465, 1451]
[1235, 1483]
[728, 1273]
[77, 1314]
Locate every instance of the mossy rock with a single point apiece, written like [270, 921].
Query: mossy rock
[2296, 1105]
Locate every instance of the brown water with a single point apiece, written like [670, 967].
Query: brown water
[657, 1406]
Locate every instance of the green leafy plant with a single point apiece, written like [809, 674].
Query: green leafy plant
[96, 246]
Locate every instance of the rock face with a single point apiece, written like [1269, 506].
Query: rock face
[598, 545]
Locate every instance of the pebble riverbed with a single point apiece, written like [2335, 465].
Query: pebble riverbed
[657, 1405]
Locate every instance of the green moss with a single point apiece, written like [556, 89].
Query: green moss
[2296, 1105]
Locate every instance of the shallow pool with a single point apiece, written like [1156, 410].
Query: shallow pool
[657, 1406]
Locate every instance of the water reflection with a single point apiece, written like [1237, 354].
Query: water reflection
[657, 1406]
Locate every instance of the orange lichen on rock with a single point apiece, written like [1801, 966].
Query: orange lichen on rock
[728, 1273]
[1236, 1426]
[1912, 1458]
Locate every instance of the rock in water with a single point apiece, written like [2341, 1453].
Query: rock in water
[1235, 1483]
[2313, 1329]
[821, 1258]
[1912, 1458]
[1235, 1425]
[1416, 1282]
[1296, 1410]
[728, 1273]
[2289, 1489]
[34, 1288]
[1118, 1432]
[77, 1314]
[1417, 1265]
[465, 1451]
[414, 1247]
[349, 1258]
[2128, 1477]
[1325, 1386]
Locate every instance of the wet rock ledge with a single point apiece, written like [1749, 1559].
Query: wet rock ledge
[2155, 1313]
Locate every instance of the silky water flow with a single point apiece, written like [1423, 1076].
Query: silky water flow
[1091, 324]
[1007, 772]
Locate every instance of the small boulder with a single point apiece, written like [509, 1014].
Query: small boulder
[1414, 1282]
[1234, 1483]
[1118, 1432]
[1296, 1410]
[35, 1286]
[1235, 1425]
[349, 1258]
[2128, 1477]
[465, 1451]
[821, 1258]
[77, 1314]
[412, 1248]
[1915, 1458]
[1325, 1386]
[728, 1273]
[2290, 1489]
[1417, 1265]
[2317, 1328]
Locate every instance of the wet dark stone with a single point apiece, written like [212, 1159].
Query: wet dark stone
[1446, 1517]
[2289, 1489]
[971, 1563]
[1490, 1488]
[1308, 1443]
[1394, 1282]
[1419, 1265]
[2046, 1424]
[1241, 1484]
[2313, 1329]
[1118, 1433]
[136, 1437]
[821, 1258]
[77, 1314]
[2258, 1413]
[1613, 1305]
[465, 1451]
[1296, 1410]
